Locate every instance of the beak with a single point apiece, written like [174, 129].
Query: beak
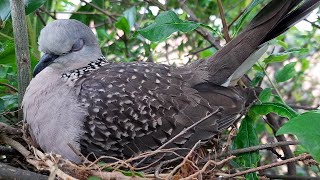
[45, 61]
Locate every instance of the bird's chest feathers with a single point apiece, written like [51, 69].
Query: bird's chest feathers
[52, 112]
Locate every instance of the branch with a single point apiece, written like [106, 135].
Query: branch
[9, 172]
[9, 86]
[224, 23]
[203, 32]
[4, 128]
[259, 147]
[274, 124]
[291, 160]
[21, 43]
[100, 10]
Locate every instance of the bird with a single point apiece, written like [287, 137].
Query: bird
[78, 98]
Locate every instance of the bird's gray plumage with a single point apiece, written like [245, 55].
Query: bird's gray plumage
[79, 98]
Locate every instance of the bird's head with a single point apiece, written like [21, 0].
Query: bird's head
[66, 45]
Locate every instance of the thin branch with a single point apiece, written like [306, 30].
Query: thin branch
[43, 22]
[47, 12]
[9, 130]
[185, 159]
[313, 23]
[210, 162]
[304, 107]
[274, 124]
[181, 133]
[280, 163]
[199, 50]
[259, 147]
[6, 36]
[100, 10]
[224, 23]
[203, 32]
[14, 144]
[9, 86]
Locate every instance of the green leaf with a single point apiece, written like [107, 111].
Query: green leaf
[93, 178]
[247, 137]
[306, 128]
[278, 108]
[130, 15]
[123, 24]
[164, 25]
[265, 95]
[30, 6]
[240, 21]
[286, 73]
[276, 58]
[4, 9]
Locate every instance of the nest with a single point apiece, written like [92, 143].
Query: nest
[20, 159]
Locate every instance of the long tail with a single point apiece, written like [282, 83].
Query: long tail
[238, 56]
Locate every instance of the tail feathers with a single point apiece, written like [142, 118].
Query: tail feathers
[303, 10]
[271, 21]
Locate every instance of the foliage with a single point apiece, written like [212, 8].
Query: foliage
[140, 31]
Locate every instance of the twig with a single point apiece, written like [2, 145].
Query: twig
[185, 159]
[294, 159]
[47, 12]
[199, 50]
[286, 149]
[203, 32]
[304, 107]
[14, 144]
[9, 130]
[157, 3]
[181, 133]
[271, 176]
[224, 23]
[258, 147]
[6, 36]
[100, 10]
[207, 165]
[40, 18]
[9, 86]
[313, 24]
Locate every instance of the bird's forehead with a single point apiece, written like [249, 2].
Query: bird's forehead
[58, 37]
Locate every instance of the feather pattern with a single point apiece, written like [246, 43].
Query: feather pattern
[136, 107]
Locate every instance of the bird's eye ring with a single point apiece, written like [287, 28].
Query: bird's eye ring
[77, 45]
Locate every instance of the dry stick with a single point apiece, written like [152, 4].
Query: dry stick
[207, 165]
[100, 10]
[21, 43]
[181, 133]
[291, 160]
[9, 130]
[258, 147]
[185, 159]
[224, 23]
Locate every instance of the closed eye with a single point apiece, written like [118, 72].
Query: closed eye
[77, 45]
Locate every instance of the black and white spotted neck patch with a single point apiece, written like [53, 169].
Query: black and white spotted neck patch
[78, 73]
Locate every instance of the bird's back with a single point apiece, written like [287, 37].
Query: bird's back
[136, 107]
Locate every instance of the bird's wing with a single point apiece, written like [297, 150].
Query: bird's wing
[136, 107]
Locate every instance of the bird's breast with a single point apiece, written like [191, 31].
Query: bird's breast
[53, 114]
